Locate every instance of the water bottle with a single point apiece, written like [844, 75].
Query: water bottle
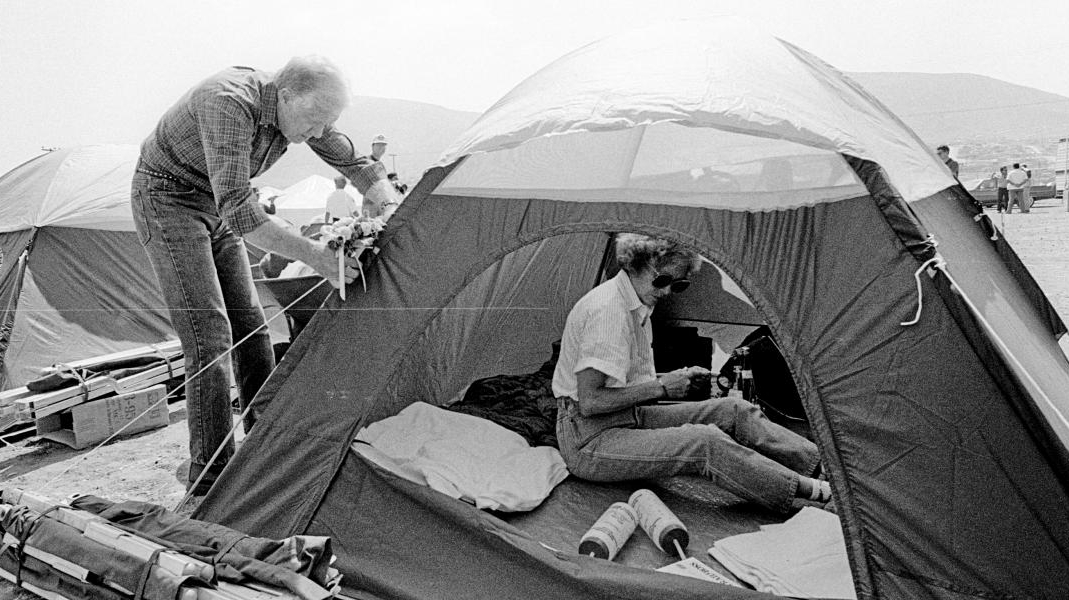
[745, 375]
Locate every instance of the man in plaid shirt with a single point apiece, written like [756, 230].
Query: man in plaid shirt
[193, 203]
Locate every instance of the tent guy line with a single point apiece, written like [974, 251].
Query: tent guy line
[225, 353]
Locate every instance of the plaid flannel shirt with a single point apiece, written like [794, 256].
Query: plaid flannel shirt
[224, 132]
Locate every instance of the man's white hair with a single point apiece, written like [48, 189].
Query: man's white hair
[317, 78]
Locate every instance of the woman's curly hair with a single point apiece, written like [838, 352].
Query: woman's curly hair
[635, 252]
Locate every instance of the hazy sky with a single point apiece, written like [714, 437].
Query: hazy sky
[84, 71]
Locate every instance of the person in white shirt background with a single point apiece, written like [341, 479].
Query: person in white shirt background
[340, 203]
[1016, 181]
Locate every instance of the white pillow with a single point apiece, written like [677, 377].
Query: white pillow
[466, 457]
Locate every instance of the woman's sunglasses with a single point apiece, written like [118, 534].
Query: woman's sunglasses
[665, 281]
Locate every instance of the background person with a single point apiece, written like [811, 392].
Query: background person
[1028, 201]
[402, 188]
[605, 379]
[1003, 199]
[944, 155]
[1015, 183]
[378, 147]
[192, 204]
[339, 202]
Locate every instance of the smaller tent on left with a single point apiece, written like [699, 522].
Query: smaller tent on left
[74, 280]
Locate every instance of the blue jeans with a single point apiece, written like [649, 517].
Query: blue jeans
[726, 440]
[204, 274]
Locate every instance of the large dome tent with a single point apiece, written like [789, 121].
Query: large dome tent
[74, 281]
[925, 354]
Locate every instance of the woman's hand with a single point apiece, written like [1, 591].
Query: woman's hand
[676, 383]
[681, 382]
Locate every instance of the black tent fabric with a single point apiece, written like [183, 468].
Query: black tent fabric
[996, 294]
[924, 353]
[927, 459]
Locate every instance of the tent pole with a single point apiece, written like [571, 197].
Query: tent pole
[1062, 431]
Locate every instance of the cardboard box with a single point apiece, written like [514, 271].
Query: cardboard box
[93, 422]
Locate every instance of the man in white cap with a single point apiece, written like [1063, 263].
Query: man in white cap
[378, 147]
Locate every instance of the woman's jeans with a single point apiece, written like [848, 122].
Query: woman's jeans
[726, 440]
[204, 274]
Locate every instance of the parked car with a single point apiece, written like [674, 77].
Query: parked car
[986, 190]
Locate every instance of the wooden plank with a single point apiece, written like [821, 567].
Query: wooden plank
[31, 414]
[9, 396]
[42, 405]
[100, 385]
[22, 432]
[255, 591]
[170, 349]
[9, 415]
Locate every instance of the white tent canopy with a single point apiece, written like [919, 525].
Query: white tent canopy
[304, 201]
[89, 187]
[86, 186]
[786, 120]
[76, 282]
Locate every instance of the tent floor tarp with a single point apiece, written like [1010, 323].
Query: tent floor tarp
[452, 529]
[709, 513]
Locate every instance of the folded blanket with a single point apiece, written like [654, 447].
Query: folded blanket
[465, 457]
[804, 557]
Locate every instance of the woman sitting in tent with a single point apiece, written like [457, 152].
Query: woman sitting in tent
[607, 428]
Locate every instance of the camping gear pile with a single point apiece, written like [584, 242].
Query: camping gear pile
[93, 548]
[86, 401]
[946, 441]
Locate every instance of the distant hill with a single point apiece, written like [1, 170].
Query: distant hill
[418, 132]
[958, 108]
[986, 122]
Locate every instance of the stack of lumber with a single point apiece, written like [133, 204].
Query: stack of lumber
[21, 405]
[79, 562]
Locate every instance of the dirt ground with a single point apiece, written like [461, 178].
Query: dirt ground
[143, 467]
